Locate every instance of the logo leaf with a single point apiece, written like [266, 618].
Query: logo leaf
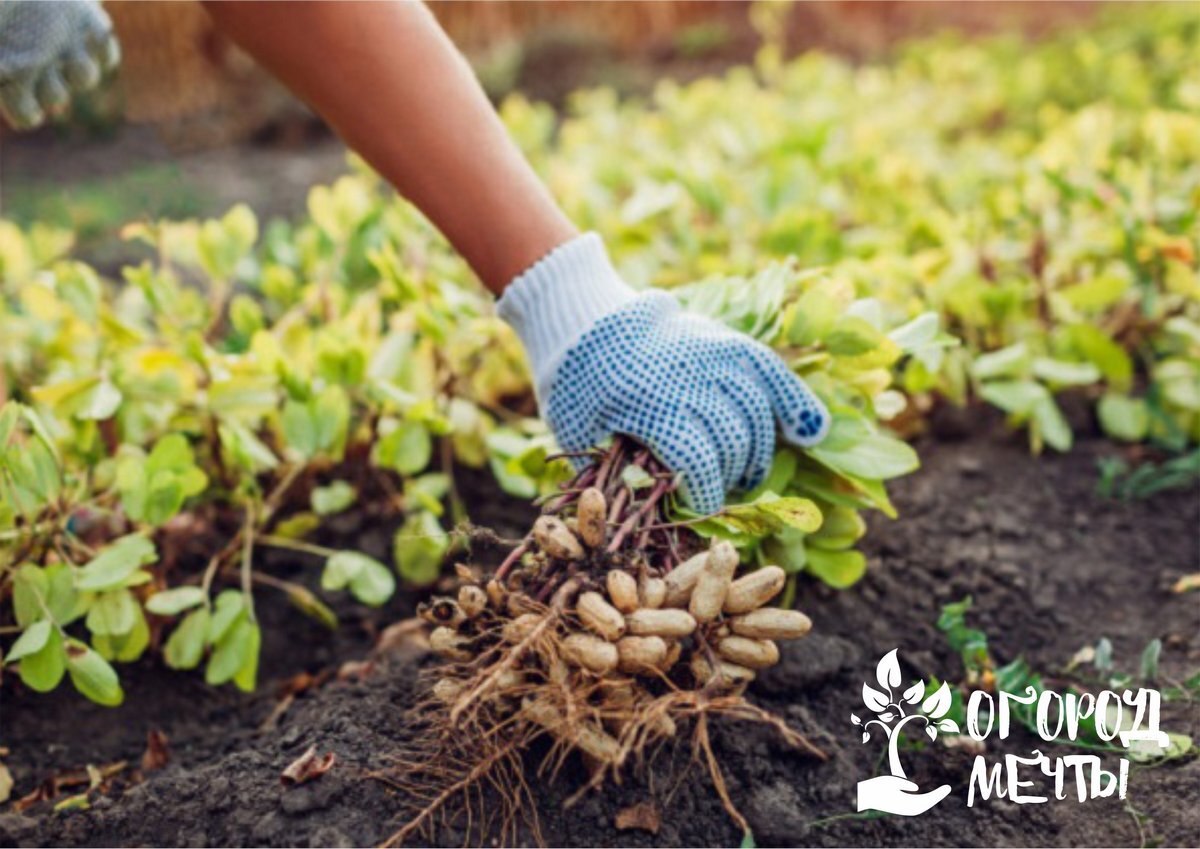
[888, 671]
[938, 704]
[854, 718]
[931, 731]
[913, 694]
[874, 699]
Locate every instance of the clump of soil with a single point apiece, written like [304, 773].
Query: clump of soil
[1051, 568]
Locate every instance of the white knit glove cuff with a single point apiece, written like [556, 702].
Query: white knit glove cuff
[558, 299]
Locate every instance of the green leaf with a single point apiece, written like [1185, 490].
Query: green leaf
[114, 612]
[1123, 417]
[916, 334]
[230, 606]
[174, 601]
[419, 547]
[92, 675]
[839, 569]
[1065, 373]
[124, 647]
[1052, 425]
[307, 602]
[841, 528]
[44, 669]
[109, 569]
[232, 652]
[245, 449]
[247, 675]
[327, 500]
[30, 586]
[299, 429]
[185, 647]
[31, 641]
[1098, 347]
[875, 456]
[1148, 751]
[1148, 663]
[1096, 294]
[852, 337]
[368, 580]
[407, 449]
[1012, 361]
[636, 478]
[1018, 397]
[771, 514]
[66, 605]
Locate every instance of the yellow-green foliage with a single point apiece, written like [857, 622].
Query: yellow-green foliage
[1040, 203]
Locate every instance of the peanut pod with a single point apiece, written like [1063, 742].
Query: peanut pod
[592, 516]
[515, 630]
[599, 616]
[665, 622]
[771, 623]
[450, 644]
[652, 592]
[555, 538]
[622, 590]
[641, 655]
[682, 578]
[709, 593]
[472, 599]
[592, 653]
[447, 690]
[748, 652]
[732, 674]
[752, 591]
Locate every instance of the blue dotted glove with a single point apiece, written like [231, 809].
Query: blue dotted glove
[704, 399]
[47, 52]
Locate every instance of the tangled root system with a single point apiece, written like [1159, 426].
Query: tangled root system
[608, 630]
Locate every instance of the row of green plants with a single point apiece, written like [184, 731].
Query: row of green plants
[1043, 199]
[241, 387]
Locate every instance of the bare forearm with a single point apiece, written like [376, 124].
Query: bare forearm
[391, 83]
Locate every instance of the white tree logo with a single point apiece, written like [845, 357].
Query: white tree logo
[894, 793]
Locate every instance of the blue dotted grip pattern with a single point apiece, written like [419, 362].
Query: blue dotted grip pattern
[704, 399]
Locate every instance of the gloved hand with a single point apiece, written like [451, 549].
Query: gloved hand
[49, 51]
[606, 360]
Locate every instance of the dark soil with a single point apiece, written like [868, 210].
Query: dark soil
[1051, 568]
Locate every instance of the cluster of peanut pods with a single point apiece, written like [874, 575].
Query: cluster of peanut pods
[631, 621]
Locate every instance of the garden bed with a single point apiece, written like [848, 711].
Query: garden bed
[1051, 566]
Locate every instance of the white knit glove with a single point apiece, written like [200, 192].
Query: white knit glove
[606, 360]
[48, 51]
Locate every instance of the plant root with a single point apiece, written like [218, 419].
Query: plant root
[605, 646]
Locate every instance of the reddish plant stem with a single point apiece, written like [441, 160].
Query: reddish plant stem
[511, 560]
[632, 522]
[618, 505]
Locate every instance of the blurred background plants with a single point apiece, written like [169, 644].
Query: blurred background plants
[992, 220]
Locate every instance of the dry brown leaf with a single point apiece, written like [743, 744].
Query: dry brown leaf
[643, 815]
[1187, 583]
[157, 754]
[308, 766]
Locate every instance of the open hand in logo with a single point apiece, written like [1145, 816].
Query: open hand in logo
[895, 793]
